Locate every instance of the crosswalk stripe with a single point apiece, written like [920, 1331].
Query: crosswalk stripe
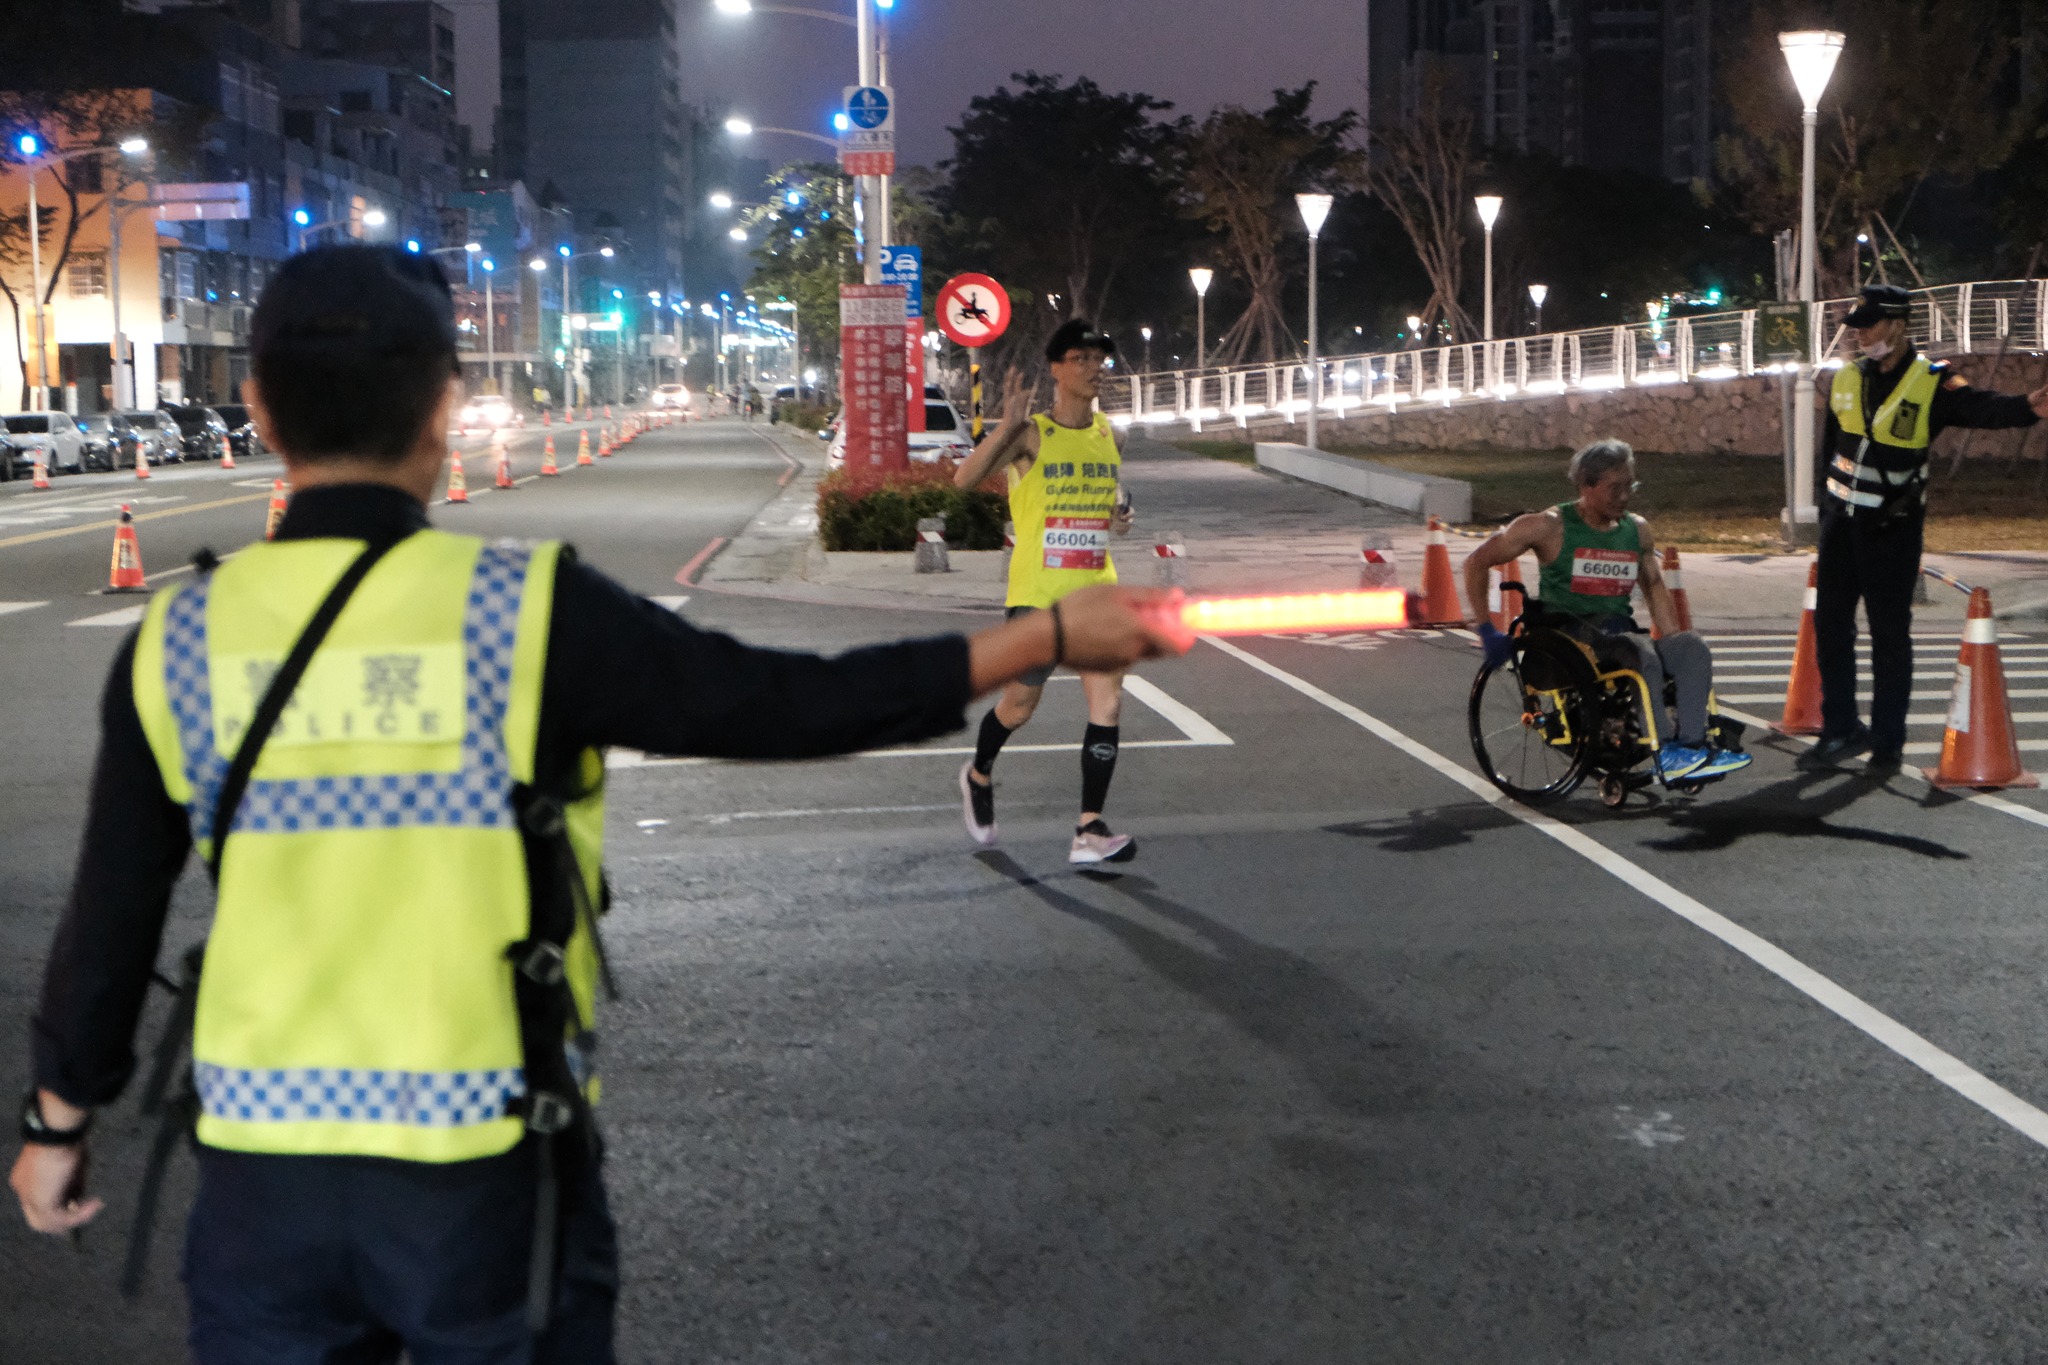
[9, 608]
[120, 616]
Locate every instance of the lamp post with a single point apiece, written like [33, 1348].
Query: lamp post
[1200, 275]
[1538, 293]
[576, 383]
[490, 268]
[1489, 209]
[1811, 55]
[31, 147]
[1315, 208]
[1146, 332]
[374, 218]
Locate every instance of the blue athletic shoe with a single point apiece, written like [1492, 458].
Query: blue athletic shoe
[1677, 760]
[1721, 762]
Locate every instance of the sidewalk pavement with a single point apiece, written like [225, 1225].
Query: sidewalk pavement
[1246, 530]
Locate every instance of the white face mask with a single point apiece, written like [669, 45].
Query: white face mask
[1878, 350]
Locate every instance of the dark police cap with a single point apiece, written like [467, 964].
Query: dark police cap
[1880, 301]
[1078, 334]
[355, 303]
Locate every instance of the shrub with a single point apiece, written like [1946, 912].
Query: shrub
[803, 416]
[864, 510]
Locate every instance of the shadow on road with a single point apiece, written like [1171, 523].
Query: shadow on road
[1341, 1045]
[1797, 808]
[1428, 829]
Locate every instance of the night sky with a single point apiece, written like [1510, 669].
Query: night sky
[779, 69]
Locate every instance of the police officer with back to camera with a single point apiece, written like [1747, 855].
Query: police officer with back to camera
[1883, 413]
[386, 741]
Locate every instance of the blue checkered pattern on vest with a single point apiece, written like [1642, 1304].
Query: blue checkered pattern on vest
[421, 1099]
[478, 794]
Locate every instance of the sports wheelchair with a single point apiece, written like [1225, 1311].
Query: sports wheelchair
[1555, 714]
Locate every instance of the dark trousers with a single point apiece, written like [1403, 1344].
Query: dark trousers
[328, 1260]
[1859, 558]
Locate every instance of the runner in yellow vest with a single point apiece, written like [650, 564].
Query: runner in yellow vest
[1064, 469]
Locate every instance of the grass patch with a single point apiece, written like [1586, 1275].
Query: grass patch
[1237, 452]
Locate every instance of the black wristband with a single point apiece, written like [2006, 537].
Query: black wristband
[34, 1128]
[1059, 638]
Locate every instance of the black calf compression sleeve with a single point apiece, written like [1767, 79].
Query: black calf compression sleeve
[989, 742]
[1098, 764]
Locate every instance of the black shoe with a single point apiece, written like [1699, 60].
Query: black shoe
[1884, 763]
[1830, 754]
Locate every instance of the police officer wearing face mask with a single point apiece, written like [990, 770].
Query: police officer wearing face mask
[1883, 414]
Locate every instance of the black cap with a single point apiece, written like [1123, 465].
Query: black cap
[354, 303]
[1880, 301]
[1078, 334]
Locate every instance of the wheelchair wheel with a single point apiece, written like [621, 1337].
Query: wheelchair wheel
[1533, 720]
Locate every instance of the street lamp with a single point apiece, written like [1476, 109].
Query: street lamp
[1538, 293]
[720, 199]
[1315, 208]
[1489, 209]
[738, 234]
[490, 269]
[740, 127]
[1199, 276]
[373, 218]
[34, 152]
[1146, 332]
[1811, 54]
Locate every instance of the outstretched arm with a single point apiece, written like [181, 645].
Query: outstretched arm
[1510, 542]
[1016, 437]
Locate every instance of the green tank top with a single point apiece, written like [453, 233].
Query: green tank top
[1595, 571]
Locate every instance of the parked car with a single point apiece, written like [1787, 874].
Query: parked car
[157, 435]
[489, 412]
[14, 460]
[101, 438]
[200, 430]
[675, 396]
[242, 437]
[944, 436]
[52, 433]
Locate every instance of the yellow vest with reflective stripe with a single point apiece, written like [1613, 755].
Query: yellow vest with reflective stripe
[1061, 509]
[1879, 462]
[356, 998]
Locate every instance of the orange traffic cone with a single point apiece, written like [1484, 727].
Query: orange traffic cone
[544, 417]
[1674, 579]
[126, 573]
[548, 468]
[505, 470]
[604, 439]
[1978, 748]
[607, 412]
[276, 512]
[458, 486]
[588, 412]
[141, 463]
[583, 450]
[1439, 584]
[42, 472]
[1505, 603]
[227, 454]
[1802, 696]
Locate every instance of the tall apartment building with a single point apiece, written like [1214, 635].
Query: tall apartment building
[1621, 85]
[590, 104]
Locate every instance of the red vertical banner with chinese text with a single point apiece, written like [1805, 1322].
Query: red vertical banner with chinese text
[871, 379]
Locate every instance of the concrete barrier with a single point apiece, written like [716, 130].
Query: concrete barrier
[1423, 494]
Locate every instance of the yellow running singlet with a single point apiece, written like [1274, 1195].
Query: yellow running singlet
[1061, 508]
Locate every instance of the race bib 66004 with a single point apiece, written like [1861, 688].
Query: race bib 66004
[1603, 573]
[1076, 542]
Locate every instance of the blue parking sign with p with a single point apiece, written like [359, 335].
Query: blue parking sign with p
[904, 265]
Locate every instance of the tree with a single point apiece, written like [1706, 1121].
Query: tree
[1240, 172]
[1421, 170]
[806, 250]
[1886, 130]
[1057, 190]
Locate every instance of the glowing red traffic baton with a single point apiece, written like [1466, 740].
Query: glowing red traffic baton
[1381, 609]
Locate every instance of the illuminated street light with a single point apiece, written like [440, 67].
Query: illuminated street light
[1537, 294]
[720, 199]
[537, 264]
[1315, 210]
[1489, 209]
[738, 234]
[738, 127]
[1199, 276]
[1811, 54]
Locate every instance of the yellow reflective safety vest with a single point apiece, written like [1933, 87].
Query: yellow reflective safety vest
[1881, 456]
[1062, 508]
[357, 999]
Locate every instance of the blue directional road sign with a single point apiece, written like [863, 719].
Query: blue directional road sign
[904, 265]
[868, 106]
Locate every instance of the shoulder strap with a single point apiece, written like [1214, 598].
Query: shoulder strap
[279, 693]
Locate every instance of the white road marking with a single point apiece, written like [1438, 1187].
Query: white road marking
[9, 608]
[32, 512]
[672, 603]
[1944, 1067]
[1652, 1132]
[650, 824]
[120, 616]
[1197, 732]
[806, 814]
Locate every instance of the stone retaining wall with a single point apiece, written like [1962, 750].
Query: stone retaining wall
[1733, 416]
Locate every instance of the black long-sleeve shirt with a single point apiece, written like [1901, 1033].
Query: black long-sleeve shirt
[1955, 404]
[620, 671]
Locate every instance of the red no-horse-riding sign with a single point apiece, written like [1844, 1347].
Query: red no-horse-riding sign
[973, 310]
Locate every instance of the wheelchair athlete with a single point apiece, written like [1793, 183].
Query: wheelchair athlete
[1593, 554]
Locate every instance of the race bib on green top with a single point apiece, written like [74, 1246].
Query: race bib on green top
[1603, 573]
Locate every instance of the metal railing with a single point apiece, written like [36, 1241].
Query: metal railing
[1952, 319]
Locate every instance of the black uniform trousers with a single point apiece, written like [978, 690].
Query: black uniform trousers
[1876, 560]
[336, 1260]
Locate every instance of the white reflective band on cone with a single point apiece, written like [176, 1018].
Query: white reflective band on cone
[1980, 630]
[1674, 580]
[1812, 598]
